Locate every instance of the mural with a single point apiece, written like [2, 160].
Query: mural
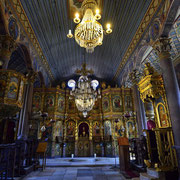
[61, 104]
[105, 103]
[107, 128]
[71, 128]
[128, 103]
[96, 128]
[49, 100]
[13, 88]
[117, 103]
[162, 115]
[130, 129]
[36, 103]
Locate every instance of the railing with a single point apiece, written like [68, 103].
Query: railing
[15, 157]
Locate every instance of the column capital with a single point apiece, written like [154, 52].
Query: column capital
[7, 46]
[163, 47]
[134, 76]
[31, 76]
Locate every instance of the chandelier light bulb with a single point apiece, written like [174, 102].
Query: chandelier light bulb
[97, 15]
[77, 19]
[108, 30]
[108, 26]
[69, 35]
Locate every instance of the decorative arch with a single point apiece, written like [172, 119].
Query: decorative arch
[20, 60]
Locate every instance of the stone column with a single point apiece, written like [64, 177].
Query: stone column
[172, 89]
[27, 105]
[7, 46]
[134, 76]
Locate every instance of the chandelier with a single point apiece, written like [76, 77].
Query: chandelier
[89, 32]
[85, 91]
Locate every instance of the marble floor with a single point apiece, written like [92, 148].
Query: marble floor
[76, 173]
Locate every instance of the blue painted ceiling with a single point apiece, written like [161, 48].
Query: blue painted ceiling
[50, 22]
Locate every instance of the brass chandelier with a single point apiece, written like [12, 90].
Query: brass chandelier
[89, 32]
[84, 91]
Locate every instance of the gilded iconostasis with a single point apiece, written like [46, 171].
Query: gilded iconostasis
[68, 132]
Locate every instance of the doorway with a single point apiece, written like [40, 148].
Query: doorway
[83, 141]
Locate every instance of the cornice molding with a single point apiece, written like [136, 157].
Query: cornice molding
[153, 7]
[23, 19]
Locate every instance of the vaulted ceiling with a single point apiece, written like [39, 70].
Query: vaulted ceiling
[50, 22]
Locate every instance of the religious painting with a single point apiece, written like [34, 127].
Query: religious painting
[71, 128]
[49, 100]
[58, 129]
[128, 103]
[13, 88]
[61, 104]
[71, 105]
[97, 149]
[47, 134]
[36, 102]
[83, 130]
[21, 91]
[107, 128]
[57, 150]
[69, 149]
[154, 30]
[13, 28]
[105, 104]
[96, 106]
[162, 115]
[108, 149]
[96, 128]
[130, 126]
[3, 79]
[119, 128]
[117, 103]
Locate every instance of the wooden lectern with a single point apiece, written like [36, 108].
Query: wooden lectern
[41, 152]
[123, 153]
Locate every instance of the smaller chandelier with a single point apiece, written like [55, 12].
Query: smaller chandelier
[89, 32]
[85, 91]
